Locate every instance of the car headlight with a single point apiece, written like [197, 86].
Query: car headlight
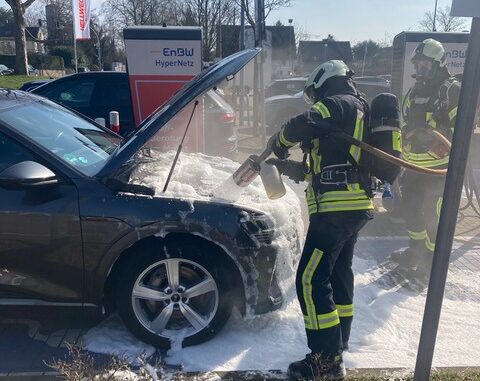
[258, 226]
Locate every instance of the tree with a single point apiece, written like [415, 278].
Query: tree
[210, 15]
[270, 5]
[367, 48]
[18, 10]
[443, 23]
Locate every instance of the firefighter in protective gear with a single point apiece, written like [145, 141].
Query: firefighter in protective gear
[339, 206]
[430, 105]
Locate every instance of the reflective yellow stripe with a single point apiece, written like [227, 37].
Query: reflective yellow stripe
[357, 134]
[317, 159]
[453, 113]
[343, 195]
[328, 320]
[345, 310]
[284, 140]
[397, 141]
[308, 324]
[322, 110]
[408, 102]
[307, 287]
[424, 159]
[341, 206]
[429, 244]
[417, 236]
[439, 207]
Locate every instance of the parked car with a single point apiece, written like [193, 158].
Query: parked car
[279, 109]
[77, 235]
[30, 85]
[95, 94]
[285, 86]
[32, 70]
[4, 70]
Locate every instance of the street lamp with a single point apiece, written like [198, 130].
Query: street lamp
[99, 48]
[434, 29]
[292, 49]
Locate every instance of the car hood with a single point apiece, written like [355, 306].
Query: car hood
[285, 96]
[203, 82]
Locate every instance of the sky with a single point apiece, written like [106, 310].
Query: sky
[356, 20]
[350, 20]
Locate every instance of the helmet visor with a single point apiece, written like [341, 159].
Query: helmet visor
[423, 68]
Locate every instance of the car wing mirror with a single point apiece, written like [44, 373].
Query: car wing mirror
[25, 175]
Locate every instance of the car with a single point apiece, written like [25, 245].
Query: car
[280, 108]
[4, 70]
[287, 86]
[32, 70]
[77, 234]
[30, 85]
[95, 94]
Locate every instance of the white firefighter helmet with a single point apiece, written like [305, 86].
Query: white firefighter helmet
[430, 49]
[321, 74]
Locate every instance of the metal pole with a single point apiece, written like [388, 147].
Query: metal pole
[451, 200]
[364, 58]
[434, 28]
[99, 48]
[75, 53]
[242, 78]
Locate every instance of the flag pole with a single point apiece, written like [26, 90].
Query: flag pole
[74, 25]
[75, 53]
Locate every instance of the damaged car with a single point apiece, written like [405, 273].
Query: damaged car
[85, 229]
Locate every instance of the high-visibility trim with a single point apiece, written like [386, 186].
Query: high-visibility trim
[342, 206]
[284, 140]
[424, 160]
[342, 195]
[308, 324]
[439, 207]
[328, 320]
[429, 244]
[408, 102]
[417, 236]
[453, 113]
[397, 141]
[432, 123]
[322, 110]
[316, 157]
[357, 134]
[307, 287]
[345, 310]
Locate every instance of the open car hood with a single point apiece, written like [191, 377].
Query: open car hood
[203, 82]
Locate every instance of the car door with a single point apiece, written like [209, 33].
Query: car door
[40, 238]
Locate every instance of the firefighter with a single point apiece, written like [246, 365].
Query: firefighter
[430, 105]
[339, 206]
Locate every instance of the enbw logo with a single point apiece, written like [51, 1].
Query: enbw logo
[178, 52]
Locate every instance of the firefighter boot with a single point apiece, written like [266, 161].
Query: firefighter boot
[314, 367]
[405, 258]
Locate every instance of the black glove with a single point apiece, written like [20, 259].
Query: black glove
[292, 169]
[279, 151]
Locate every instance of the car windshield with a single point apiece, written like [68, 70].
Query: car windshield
[72, 139]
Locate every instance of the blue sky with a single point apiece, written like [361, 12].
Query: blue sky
[356, 20]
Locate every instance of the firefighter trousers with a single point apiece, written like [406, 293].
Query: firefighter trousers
[422, 197]
[325, 278]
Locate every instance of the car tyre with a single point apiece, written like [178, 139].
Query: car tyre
[146, 301]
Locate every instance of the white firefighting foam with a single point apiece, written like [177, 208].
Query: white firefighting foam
[387, 323]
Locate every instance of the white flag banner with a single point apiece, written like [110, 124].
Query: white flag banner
[81, 19]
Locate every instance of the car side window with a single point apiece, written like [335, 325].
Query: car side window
[73, 94]
[12, 153]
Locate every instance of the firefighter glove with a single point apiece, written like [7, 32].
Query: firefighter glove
[292, 169]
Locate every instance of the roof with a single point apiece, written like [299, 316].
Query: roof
[8, 31]
[283, 40]
[324, 50]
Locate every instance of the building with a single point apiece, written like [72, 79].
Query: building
[35, 37]
[313, 53]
